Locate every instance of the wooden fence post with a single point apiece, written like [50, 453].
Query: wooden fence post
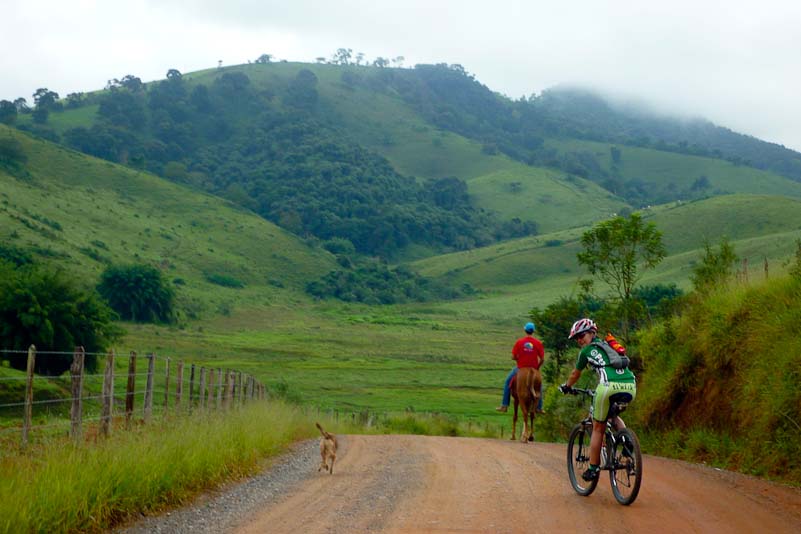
[228, 389]
[219, 388]
[76, 410]
[108, 395]
[239, 396]
[201, 394]
[179, 385]
[151, 363]
[191, 383]
[28, 412]
[166, 384]
[130, 390]
[210, 398]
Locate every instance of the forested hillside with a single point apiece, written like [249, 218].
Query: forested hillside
[80, 215]
[404, 163]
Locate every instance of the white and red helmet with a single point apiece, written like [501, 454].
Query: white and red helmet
[581, 326]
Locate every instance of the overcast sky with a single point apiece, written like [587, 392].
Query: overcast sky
[736, 62]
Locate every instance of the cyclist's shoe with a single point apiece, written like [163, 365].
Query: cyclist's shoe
[590, 474]
[501, 409]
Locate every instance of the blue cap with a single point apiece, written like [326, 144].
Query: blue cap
[529, 328]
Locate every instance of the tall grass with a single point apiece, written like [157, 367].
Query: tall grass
[728, 370]
[91, 487]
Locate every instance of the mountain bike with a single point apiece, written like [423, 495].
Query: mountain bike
[620, 452]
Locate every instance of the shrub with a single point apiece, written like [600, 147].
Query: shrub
[225, 280]
[138, 293]
[45, 308]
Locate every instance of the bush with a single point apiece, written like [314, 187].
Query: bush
[45, 308]
[138, 293]
[225, 280]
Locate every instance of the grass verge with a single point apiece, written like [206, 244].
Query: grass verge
[65, 488]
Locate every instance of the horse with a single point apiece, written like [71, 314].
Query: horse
[525, 388]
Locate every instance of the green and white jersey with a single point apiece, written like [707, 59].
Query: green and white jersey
[596, 357]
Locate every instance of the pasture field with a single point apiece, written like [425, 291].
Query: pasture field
[656, 168]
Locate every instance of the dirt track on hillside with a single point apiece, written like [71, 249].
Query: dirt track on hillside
[405, 484]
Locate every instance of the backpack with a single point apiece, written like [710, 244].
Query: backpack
[614, 351]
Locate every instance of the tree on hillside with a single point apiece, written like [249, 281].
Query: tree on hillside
[342, 56]
[618, 251]
[75, 100]
[11, 152]
[303, 90]
[47, 309]
[715, 266]
[174, 74]
[264, 58]
[22, 105]
[44, 97]
[553, 323]
[381, 62]
[8, 112]
[138, 293]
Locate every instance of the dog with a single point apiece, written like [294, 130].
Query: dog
[328, 450]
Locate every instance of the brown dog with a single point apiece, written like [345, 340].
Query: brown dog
[328, 450]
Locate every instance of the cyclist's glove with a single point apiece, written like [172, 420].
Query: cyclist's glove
[565, 389]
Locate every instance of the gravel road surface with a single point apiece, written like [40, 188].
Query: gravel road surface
[420, 484]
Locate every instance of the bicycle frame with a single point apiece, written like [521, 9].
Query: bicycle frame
[620, 454]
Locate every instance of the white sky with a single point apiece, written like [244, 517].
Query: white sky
[736, 62]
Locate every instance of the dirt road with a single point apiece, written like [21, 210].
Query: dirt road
[405, 484]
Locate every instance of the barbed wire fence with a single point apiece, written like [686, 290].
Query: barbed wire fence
[98, 401]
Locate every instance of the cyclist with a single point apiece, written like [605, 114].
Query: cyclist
[610, 381]
[527, 352]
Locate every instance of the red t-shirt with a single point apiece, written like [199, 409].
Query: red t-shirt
[528, 352]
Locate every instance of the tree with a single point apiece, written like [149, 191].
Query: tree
[40, 115]
[8, 112]
[47, 309]
[75, 100]
[174, 74]
[618, 251]
[715, 267]
[264, 59]
[22, 105]
[381, 62]
[138, 293]
[11, 152]
[132, 83]
[342, 56]
[44, 97]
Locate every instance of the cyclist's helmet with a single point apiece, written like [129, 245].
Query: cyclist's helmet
[581, 326]
[529, 328]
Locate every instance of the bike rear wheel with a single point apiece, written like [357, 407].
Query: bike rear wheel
[578, 459]
[626, 467]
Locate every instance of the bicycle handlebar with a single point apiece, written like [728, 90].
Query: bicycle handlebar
[576, 391]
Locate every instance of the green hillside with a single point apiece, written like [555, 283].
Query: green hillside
[543, 268]
[81, 214]
[667, 175]
[328, 150]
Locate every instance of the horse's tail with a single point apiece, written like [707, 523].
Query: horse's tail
[535, 384]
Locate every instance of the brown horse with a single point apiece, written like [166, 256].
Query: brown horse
[526, 394]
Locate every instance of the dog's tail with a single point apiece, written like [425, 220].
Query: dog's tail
[323, 432]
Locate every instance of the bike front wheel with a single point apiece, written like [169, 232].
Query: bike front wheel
[578, 459]
[626, 467]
